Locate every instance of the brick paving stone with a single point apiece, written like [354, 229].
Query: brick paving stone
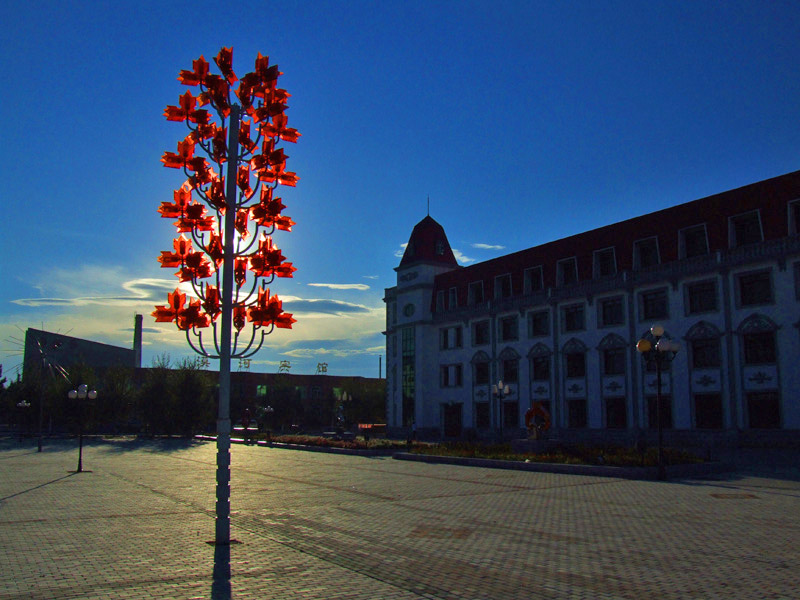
[315, 525]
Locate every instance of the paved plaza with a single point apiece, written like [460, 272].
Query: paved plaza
[325, 526]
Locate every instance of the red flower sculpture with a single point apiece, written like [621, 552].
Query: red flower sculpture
[200, 204]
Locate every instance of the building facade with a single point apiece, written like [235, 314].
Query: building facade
[558, 324]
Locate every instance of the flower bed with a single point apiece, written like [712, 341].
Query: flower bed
[571, 455]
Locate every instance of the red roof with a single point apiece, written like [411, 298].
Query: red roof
[428, 244]
[771, 197]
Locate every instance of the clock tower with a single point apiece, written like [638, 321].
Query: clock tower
[409, 307]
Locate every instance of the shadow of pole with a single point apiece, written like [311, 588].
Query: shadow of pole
[221, 585]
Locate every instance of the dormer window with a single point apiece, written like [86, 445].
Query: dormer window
[794, 217]
[475, 293]
[605, 263]
[567, 271]
[502, 286]
[534, 282]
[693, 241]
[645, 253]
[439, 248]
[745, 229]
[452, 298]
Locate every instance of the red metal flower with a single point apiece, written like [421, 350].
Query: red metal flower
[278, 129]
[215, 249]
[241, 223]
[183, 248]
[192, 317]
[195, 219]
[197, 75]
[171, 210]
[268, 260]
[166, 314]
[239, 316]
[185, 318]
[184, 155]
[211, 304]
[224, 61]
[269, 310]
[240, 271]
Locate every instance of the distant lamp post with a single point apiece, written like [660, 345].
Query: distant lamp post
[500, 391]
[660, 351]
[81, 394]
[22, 405]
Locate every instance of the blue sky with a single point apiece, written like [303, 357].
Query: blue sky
[523, 122]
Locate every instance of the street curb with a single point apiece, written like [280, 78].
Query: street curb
[325, 449]
[688, 471]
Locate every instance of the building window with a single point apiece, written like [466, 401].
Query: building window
[475, 293]
[797, 280]
[534, 280]
[567, 271]
[510, 370]
[745, 229]
[616, 413]
[539, 323]
[610, 311]
[576, 416]
[706, 354]
[480, 333]
[440, 301]
[450, 376]
[759, 348]
[502, 286]
[540, 368]
[575, 363]
[764, 410]
[693, 241]
[666, 412]
[708, 411]
[510, 414]
[509, 328]
[572, 318]
[701, 297]
[755, 288]
[645, 253]
[482, 418]
[450, 337]
[261, 391]
[653, 305]
[452, 298]
[605, 263]
[794, 217]
[614, 361]
[481, 373]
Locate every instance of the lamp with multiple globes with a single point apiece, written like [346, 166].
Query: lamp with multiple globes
[500, 391]
[659, 352]
[82, 393]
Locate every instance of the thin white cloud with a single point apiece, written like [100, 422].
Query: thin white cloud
[99, 303]
[341, 286]
[460, 257]
[399, 253]
[339, 352]
[488, 247]
[370, 276]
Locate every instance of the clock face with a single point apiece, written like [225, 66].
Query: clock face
[408, 310]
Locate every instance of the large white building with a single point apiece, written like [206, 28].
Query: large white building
[558, 323]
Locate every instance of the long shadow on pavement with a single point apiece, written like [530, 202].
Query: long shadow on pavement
[36, 487]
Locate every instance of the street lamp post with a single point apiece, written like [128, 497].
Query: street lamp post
[81, 394]
[22, 405]
[660, 351]
[500, 391]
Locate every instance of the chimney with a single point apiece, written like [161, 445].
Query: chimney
[137, 341]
